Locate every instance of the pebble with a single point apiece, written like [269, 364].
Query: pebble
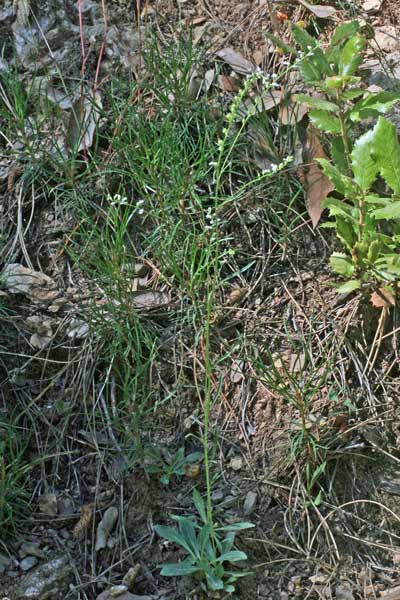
[236, 463]
[371, 6]
[28, 563]
[249, 503]
[31, 549]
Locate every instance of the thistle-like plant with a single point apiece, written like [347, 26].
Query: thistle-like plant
[364, 170]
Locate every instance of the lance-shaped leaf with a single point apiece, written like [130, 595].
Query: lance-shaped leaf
[386, 151]
[352, 55]
[319, 103]
[343, 184]
[390, 211]
[363, 160]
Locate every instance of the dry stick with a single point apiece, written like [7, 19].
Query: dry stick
[103, 43]
[376, 344]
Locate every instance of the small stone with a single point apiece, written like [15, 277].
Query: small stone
[319, 578]
[117, 590]
[386, 38]
[343, 592]
[284, 596]
[31, 549]
[28, 563]
[371, 6]
[5, 562]
[236, 463]
[249, 503]
[217, 495]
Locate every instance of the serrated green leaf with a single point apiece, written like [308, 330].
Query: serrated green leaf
[346, 233]
[372, 105]
[352, 55]
[386, 150]
[343, 184]
[344, 32]
[338, 155]
[342, 264]
[325, 121]
[280, 44]
[303, 38]
[349, 286]
[309, 72]
[338, 208]
[316, 102]
[374, 250]
[390, 211]
[363, 160]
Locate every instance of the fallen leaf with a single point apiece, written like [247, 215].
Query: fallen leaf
[192, 471]
[48, 504]
[393, 594]
[105, 527]
[383, 298]
[34, 284]
[318, 186]
[228, 83]
[84, 116]
[292, 112]
[239, 63]
[322, 12]
[150, 299]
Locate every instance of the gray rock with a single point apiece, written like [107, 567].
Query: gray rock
[5, 563]
[28, 563]
[108, 595]
[249, 503]
[31, 549]
[45, 582]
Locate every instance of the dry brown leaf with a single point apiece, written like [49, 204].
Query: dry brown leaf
[228, 84]
[382, 298]
[393, 594]
[34, 284]
[239, 63]
[292, 112]
[322, 12]
[318, 186]
[150, 299]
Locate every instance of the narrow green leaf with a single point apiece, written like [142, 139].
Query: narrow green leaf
[352, 55]
[232, 556]
[324, 121]
[189, 533]
[390, 211]
[364, 162]
[200, 505]
[181, 569]
[316, 102]
[343, 184]
[372, 105]
[237, 526]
